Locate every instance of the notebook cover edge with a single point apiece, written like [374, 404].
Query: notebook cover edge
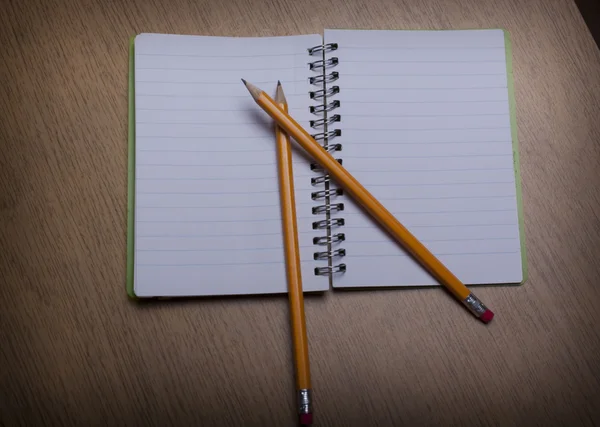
[131, 171]
[516, 158]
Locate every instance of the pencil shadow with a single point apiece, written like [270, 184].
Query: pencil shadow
[261, 118]
[300, 152]
[155, 302]
[268, 126]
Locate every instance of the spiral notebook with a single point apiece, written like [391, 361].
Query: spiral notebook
[423, 119]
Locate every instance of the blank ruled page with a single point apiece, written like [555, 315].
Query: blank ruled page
[426, 129]
[207, 210]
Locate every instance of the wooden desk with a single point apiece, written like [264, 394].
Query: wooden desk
[75, 351]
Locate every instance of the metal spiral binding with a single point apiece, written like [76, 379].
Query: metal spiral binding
[326, 240]
[327, 254]
[329, 135]
[325, 106]
[323, 64]
[329, 47]
[324, 93]
[328, 223]
[326, 193]
[326, 271]
[319, 180]
[328, 208]
[327, 78]
[325, 121]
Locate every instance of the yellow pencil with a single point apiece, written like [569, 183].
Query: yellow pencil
[292, 259]
[371, 205]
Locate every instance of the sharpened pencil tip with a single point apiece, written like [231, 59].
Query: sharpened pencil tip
[254, 91]
[278, 83]
[279, 95]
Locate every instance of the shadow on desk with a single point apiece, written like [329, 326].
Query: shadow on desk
[590, 10]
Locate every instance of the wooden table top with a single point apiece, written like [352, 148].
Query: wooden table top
[75, 351]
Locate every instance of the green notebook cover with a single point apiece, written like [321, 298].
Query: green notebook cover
[131, 171]
[131, 161]
[515, 141]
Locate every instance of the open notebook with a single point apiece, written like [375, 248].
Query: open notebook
[424, 119]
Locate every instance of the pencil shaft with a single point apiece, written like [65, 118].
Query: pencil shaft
[292, 256]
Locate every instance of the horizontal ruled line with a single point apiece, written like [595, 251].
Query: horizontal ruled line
[205, 193]
[422, 75]
[435, 253]
[361, 141]
[194, 236]
[341, 47]
[346, 88]
[434, 226]
[195, 109]
[208, 109]
[371, 61]
[212, 207]
[344, 213]
[446, 198]
[431, 170]
[410, 116]
[225, 124]
[206, 164]
[216, 264]
[442, 183]
[216, 179]
[290, 95]
[224, 69]
[424, 129]
[210, 222]
[216, 250]
[270, 138]
[438, 240]
[219, 83]
[223, 56]
[422, 102]
[205, 151]
[427, 157]
[217, 164]
[239, 221]
[190, 96]
[307, 203]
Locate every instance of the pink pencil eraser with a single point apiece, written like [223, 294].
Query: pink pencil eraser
[306, 419]
[487, 316]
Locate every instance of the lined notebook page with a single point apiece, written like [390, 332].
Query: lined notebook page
[207, 210]
[426, 129]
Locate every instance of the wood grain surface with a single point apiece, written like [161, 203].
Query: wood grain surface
[74, 351]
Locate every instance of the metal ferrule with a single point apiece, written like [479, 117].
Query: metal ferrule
[474, 305]
[305, 401]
